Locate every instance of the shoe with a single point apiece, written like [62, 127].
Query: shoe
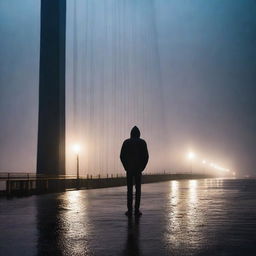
[128, 213]
[137, 213]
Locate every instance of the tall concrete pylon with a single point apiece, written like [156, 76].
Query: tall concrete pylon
[51, 122]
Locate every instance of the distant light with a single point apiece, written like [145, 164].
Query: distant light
[191, 155]
[76, 148]
[234, 173]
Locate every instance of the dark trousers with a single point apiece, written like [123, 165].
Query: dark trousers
[130, 176]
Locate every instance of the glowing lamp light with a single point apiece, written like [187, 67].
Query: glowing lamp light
[76, 148]
[191, 155]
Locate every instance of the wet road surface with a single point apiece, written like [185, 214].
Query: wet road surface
[188, 217]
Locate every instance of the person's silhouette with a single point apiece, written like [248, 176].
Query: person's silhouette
[134, 157]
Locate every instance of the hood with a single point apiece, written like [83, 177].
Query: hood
[135, 132]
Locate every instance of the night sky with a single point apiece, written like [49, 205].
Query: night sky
[202, 60]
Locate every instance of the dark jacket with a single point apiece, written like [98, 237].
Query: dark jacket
[134, 152]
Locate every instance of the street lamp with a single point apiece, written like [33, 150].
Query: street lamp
[191, 156]
[77, 149]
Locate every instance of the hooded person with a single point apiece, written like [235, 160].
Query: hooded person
[134, 157]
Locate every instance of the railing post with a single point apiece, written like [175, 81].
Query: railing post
[8, 184]
[28, 184]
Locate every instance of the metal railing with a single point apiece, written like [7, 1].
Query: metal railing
[32, 183]
[35, 176]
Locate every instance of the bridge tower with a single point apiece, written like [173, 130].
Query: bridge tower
[51, 122]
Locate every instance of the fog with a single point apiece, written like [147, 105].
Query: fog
[182, 71]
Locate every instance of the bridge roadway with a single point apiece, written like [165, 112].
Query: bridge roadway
[210, 217]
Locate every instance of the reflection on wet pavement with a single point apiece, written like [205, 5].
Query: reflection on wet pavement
[187, 217]
[132, 246]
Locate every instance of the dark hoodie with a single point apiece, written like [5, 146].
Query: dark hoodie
[134, 152]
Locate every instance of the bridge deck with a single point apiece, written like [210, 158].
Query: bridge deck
[187, 217]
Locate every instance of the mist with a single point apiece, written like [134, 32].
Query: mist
[182, 71]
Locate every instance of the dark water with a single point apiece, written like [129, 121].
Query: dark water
[190, 217]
